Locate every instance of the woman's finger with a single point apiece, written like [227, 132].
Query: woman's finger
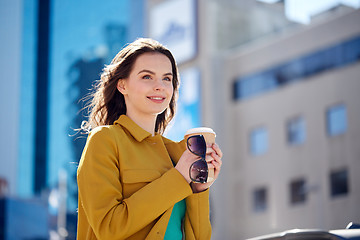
[216, 165]
[210, 149]
[216, 158]
[209, 157]
[217, 150]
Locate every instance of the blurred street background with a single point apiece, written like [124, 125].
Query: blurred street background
[278, 81]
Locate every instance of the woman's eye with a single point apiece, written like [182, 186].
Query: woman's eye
[167, 79]
[146, 77]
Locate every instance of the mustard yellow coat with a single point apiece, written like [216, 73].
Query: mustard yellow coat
[128, 186]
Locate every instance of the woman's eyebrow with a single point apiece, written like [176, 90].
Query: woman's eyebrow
[168, 74]
[146, 71]
[151, 72]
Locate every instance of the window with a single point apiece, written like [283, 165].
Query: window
[296, 131]
[254, 85]
[258, 141]
[297, 69]
[336, 120]
[260, 200]
[297, 191]
[339, 182]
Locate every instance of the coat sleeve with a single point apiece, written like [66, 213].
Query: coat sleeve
[197, 221]
[108, 213]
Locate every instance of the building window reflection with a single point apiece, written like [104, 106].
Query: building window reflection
[296, 132]
[301, 68]
[260, 199]
[298, 191]
[259, 141]
[336, 118]
[339, 182]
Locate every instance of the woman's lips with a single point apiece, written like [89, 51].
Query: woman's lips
[157, 99]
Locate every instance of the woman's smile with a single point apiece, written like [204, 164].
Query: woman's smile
[157, 99]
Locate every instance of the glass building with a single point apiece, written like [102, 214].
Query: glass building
[57, 50]
[61, 49]
[67, 45]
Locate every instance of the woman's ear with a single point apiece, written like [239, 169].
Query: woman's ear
[121, 86]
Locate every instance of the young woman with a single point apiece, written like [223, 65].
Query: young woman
[134, 183]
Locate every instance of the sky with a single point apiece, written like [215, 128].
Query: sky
[301, 10]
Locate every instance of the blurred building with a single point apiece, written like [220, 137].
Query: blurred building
[295, 109]
[282, 92]
[52, 52]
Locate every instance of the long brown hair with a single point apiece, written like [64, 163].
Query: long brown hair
[106, 103]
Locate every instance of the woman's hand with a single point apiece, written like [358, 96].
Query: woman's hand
[213, 157]
[184, 163]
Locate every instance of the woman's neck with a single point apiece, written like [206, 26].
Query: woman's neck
[145, 122]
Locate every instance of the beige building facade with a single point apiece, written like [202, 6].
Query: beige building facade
[286, 109]
[315, 159]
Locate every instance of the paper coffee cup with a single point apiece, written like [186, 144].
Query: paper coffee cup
[209, 136]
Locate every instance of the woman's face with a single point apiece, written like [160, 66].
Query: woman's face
[148, 89]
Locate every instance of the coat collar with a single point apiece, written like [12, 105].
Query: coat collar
[175, 149]
[135, 130]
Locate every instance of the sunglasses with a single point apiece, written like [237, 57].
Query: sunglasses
[198, 170]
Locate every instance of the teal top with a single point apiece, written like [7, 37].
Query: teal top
[174, 227]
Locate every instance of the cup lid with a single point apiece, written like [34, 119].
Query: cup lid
[199, 130]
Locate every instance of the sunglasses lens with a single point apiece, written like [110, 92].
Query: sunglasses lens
[199, 171]
[197, 145]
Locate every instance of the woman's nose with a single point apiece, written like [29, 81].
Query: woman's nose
[159, 85]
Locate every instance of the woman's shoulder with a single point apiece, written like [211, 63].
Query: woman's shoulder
[169, 142]
[104, 131]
